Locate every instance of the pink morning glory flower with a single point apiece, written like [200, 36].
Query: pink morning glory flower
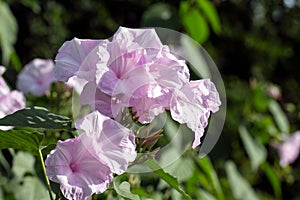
[143, 79]
[85, 165]
[114, 144]
[10, 101]
[78, 169]
[289, 149]
[134, 69]
[36, 77]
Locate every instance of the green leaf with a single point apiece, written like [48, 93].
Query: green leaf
[210, 12]
[8, 32]
[204, 195]
[199, 65]
[1, 193]
[21, 140]
[171, 180]
[209, 170]
[5, 165]
[15, 62]
[240, 188]
[273, 178]
[36, 117]
[256, 152]
[31, 189]
[123, 190]
[32, 4]
[23, 162]
[279, 116]
[194, 22]
[182, 168]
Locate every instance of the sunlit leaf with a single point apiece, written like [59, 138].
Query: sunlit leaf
[171, 180]
[210, 12]
[194, 23]
[204, 195]
[21, 140]
[209, 170]
[240, 187]
[273, 178]
[197, 60]
[256, 152]
[279, 116]
[123, 190]
[23, 162]
[8, 32]
[31, 189]
[36, 117]
[182, 168]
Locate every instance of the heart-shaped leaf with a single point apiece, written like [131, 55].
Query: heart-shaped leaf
[21, 140]
[36, 117]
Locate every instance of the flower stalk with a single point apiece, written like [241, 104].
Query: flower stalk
[45, 174]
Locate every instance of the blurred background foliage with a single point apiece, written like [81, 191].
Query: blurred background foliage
[254, 43]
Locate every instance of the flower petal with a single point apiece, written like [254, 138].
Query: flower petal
[146, 38]
[4, 89]
[98, 100]
[116, 145]
[192, 105]
[71, 55]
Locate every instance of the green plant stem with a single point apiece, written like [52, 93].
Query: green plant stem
[45, 174]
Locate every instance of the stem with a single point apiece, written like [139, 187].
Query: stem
[45, 174]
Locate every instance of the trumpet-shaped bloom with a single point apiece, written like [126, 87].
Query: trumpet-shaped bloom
[36, 77]
[85, 165]
[289, 149]
[114, 144]
[78, 169]
[143, 79]
[10, 101]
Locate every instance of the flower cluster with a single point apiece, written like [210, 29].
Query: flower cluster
[133, 70]
[10, 101]
[136, 70]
